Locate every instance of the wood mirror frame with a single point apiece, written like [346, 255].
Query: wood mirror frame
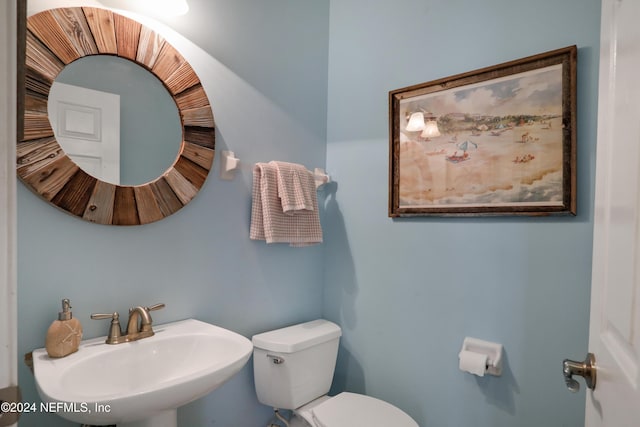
[58, 37]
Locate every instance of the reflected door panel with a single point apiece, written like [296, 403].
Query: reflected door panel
[87, 125]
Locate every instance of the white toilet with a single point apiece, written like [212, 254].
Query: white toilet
[293, 369]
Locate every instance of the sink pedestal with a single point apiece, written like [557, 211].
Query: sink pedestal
[162, 419]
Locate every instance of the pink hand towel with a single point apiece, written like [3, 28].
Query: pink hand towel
[268, 220]
[296, 187]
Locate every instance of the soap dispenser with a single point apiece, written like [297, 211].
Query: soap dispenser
[64, 335]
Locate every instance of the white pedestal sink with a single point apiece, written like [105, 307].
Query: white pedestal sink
[140, 383]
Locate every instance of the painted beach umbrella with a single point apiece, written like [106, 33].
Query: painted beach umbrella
[464, 146]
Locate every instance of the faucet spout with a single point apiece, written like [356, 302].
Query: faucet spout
[139, 325]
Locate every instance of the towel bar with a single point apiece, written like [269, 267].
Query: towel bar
[229, 163]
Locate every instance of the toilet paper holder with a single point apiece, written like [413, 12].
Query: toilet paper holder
[492, 350]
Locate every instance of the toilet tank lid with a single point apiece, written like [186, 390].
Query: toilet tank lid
[297, 337]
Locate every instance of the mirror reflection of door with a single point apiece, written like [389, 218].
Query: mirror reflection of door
[150, 128]
[86, 123]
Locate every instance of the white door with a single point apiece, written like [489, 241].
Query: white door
[8, 300]
[86, 123]
[614, 336]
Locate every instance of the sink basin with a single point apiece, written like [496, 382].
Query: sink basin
[141, 382]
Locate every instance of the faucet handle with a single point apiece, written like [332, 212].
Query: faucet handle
[115, 333]
[156, 307]
[152, 308]
[100, 316]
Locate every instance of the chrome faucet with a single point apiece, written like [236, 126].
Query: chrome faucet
[139, 325]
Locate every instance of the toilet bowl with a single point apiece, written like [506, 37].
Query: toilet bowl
[293, 369]
[351, 410]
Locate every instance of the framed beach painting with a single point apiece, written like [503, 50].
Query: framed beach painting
[496, 141]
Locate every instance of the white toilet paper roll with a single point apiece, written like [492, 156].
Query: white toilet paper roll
[472, 362]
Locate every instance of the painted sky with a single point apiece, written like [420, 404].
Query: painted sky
[535, 92]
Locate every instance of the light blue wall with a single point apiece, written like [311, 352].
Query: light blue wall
[200, 261]
[408, 291]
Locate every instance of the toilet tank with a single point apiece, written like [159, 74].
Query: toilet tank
[294, 365]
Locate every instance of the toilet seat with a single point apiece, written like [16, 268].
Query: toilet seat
[351, 409]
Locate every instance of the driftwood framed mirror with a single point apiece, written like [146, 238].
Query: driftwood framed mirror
[58, 37]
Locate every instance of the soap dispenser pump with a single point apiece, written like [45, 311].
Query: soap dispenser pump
[64, 335]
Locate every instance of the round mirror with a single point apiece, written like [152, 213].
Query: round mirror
[114, 119]
[59, 37]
